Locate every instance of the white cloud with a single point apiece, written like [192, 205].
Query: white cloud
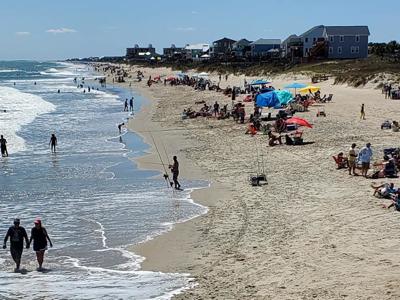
[61, 30]
[22, 33]
[185, 29]
[194, 12]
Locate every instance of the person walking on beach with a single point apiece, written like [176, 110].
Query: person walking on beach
[175, 173]
[131, 104]
[362, 115]
[3, 146]
[40, 237]
[126, 105]
[17, 234]
[365, 157]
[352, 159]
[53, 143]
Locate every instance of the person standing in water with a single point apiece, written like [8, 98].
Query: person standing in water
[17, 234]
[131, 104]
[120, 126]
[3, 146]
[175, 173]
[362, 115]
[126, 105]
[40, 237]
[53, 143]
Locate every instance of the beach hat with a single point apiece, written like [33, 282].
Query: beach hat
[37, 221]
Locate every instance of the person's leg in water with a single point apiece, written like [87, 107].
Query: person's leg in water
[16, 253]
[40, 258]
[176, 183]
[53, 147]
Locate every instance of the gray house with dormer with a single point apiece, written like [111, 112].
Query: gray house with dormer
[347, 41]
[336, 42]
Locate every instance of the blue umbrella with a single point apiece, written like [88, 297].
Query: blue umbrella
[295, 86]
[268, 100]
[259, 82]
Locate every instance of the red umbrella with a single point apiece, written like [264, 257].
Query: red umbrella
[298, 121]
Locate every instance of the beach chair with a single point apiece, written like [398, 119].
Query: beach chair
[340, 164]
[329, 99]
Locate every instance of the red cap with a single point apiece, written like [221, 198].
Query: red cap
[37, 221]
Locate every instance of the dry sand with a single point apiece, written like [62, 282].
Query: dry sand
[313, 232]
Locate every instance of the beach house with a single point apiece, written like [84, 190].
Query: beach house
[140, 52]
[221, 47]
[242, 48]
[173, 51]
[196, 51]
[264, 47]
[336, 42]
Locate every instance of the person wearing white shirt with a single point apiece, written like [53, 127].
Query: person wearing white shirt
[364, 156]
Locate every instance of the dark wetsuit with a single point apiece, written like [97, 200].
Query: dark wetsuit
[17, 236]
[3, 146]
[175, 174]
[39, 236]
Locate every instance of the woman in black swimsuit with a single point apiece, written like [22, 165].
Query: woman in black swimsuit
[39, 236]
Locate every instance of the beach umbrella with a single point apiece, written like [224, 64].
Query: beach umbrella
[309, 89]
[284, 96]
[295, 86]
[298, 121]
[260, 82]
[268, 100]
[203, 74]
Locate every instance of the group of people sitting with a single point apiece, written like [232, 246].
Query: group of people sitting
[388, 167]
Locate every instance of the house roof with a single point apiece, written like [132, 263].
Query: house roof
[266, 42]
[290, 37]
[347, 30]
[312, 29]
[203, 47]
[225, 39]
[243, 42]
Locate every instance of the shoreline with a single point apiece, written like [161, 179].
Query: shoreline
[172, 251]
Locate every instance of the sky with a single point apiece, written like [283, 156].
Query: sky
[58, 29]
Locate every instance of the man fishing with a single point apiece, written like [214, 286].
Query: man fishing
[17, 234]
[175, 173]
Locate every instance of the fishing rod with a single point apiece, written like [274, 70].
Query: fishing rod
[166, 177]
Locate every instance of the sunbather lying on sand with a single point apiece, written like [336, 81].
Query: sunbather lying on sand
[385, 190]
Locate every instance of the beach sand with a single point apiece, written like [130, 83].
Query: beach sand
[313, 232]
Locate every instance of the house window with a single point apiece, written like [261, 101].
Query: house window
[306, 40]
[352, 49]
[357, 49]
[357, 38]
[339, 50]
[314, 40]
[331, 39]
[330, 50]
[341, 38]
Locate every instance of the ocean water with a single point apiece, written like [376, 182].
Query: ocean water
[92, 199]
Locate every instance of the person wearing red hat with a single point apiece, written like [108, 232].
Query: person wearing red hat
[39, 236]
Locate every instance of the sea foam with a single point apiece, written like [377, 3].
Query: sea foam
[21, 109]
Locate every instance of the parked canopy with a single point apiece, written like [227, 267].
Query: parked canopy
[269, 99]
[284, 96]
